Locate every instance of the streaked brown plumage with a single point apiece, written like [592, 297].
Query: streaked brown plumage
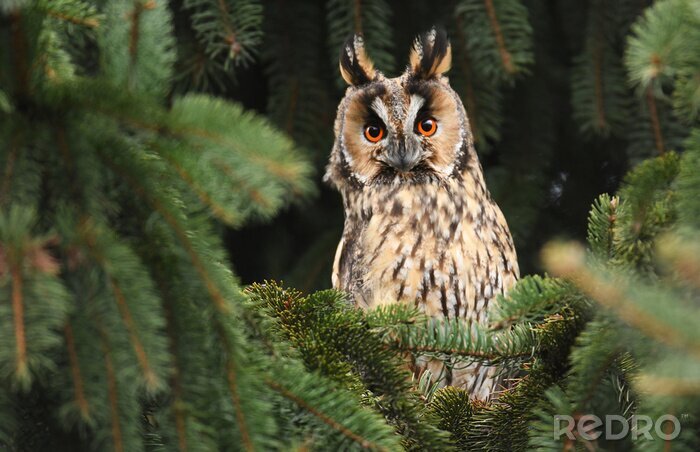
[420, 224]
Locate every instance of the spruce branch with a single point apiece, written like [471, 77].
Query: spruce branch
[599, 95]
[632, 302]
[229, 32]
[76, 374]
[318, 397]
[138, 45]
[688, 183]
[369, 18]
[74, 12]
[498, 36]
[28, 280]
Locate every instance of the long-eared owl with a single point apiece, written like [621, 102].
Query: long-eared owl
[420, 225]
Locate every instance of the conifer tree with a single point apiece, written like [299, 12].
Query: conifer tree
[124, 158]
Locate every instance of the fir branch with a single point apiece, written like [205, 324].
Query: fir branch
[182, 235]
[18, 317]
[655, 124]
[599, 96]
[680, 251]
[19, 55]
[500, 42]
[274, 170]
[215, 294]
[498, 36]
[298, 101]
[482, 95]
[463, 341]
[229, 30]
[118, 441]
[647, 209]
[688, 183]
[74, 12]
[28, 323]
[592, 360]
[369, 18]
[568, 261]
[602, 222]
[151, 378]
[217, 209]
[138, 46]
[233, 387]
[78, 385]
[356, 424]
[655, 48]
[176, 377]
[10, 159]
[532, 299]
[335, 340]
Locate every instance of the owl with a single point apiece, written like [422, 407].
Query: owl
[420, 225]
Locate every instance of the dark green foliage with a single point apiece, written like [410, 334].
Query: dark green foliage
[122, 326]
[228, 33]
[337, 340]
[498, 36]
[599, 93]
[370, 18]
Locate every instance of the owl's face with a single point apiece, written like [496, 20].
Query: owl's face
[411, 128]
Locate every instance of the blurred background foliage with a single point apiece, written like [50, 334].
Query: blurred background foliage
[135, 134]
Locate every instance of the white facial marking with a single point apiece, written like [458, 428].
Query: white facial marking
[379, 107]
[415, 104]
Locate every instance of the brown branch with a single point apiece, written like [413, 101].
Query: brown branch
[214, 292]
[255, 194]
[357, 16]
[455, 351]
[655, 123]
[506, 57]
[89, 22]
[363, 442]
[178, 411]
[19, 47]
[9, 168]
[135, 34]
[113, 395]
[274, 167]
[203, 196]
[78, 387]
[225, 18]
[18, 314]
[232, 379]
[149, 375]
[568, 261]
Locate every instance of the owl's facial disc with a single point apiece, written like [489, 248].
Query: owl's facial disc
[400, 129]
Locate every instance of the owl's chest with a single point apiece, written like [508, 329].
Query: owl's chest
[435, 247]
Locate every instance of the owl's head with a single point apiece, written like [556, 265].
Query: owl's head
[408, 129]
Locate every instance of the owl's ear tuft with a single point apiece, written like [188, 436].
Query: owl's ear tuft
[431, 54]
[355, 66]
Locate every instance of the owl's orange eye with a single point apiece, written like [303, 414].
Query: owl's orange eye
[427, 126]
[374, 133]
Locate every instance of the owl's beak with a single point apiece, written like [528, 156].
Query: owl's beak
[401, 159]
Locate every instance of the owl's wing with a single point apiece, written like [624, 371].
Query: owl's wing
[335, 276]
